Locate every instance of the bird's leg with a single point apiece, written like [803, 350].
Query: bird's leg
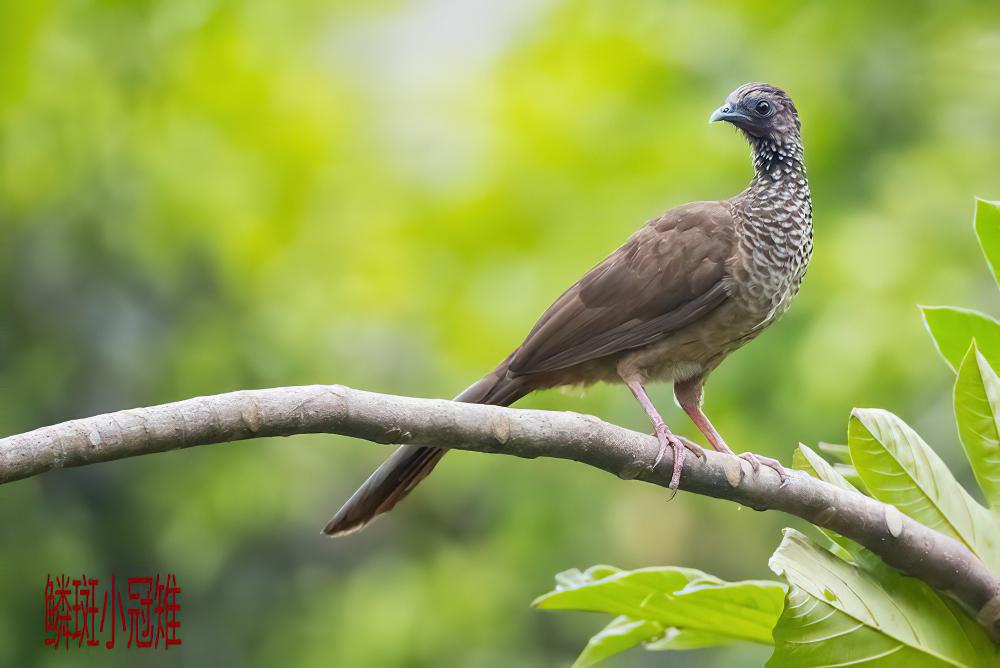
[666, 437]
[689, 394]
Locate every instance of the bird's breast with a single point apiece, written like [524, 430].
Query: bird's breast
[773, 251]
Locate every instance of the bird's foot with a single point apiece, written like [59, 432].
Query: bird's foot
[757, 460]
[678, 444]
[698, 451]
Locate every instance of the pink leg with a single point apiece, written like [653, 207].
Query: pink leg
[689, 395]
[666, 437]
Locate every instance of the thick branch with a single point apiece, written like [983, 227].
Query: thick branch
[915, 549]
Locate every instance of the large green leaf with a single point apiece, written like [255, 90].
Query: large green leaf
[977, 411]
[621, 634]
[812, 632]
[838, 451]
[624, 633]
[954, 329]
[988, 230]
[605, 588]
[838, 614]
[805, 459]
[899, 468]
[675, 597]
[675, 638]
[843, 465]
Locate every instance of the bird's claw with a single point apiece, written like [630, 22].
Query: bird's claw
[698, 451]
[757, 460]
[678, 444]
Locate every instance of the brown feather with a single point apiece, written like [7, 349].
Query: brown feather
[667, 275]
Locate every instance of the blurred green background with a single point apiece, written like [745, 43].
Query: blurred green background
[198, 196]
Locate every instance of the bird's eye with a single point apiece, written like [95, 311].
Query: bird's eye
[763, 108]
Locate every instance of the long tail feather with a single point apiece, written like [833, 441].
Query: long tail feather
[410, 464]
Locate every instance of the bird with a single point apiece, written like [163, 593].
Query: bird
[682, 293]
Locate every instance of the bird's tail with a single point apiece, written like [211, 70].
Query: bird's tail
[410, 464]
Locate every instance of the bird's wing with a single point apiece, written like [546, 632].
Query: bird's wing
[667, 275]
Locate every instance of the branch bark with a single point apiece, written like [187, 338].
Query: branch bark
[939, 560]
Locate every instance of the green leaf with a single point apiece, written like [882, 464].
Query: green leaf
[977, 411]
[838, 451]
[621, 634]
[624, 633]
[805, 459]
[680, 639]
[899, 468]
[843, 464]
[838, 614]
[809, 630]
[953, 330]
[988, 231]
[607, 588]
[574, 577]
[677, 597]
[851, 475]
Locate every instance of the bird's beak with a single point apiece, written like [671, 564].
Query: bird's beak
[727, 113]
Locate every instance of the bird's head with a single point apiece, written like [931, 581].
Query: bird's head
[761, 112]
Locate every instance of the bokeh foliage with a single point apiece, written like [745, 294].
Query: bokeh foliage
[203, 195]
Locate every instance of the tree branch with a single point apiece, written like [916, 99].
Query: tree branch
[939, 560]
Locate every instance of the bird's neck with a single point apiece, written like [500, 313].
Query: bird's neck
[778, 164]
